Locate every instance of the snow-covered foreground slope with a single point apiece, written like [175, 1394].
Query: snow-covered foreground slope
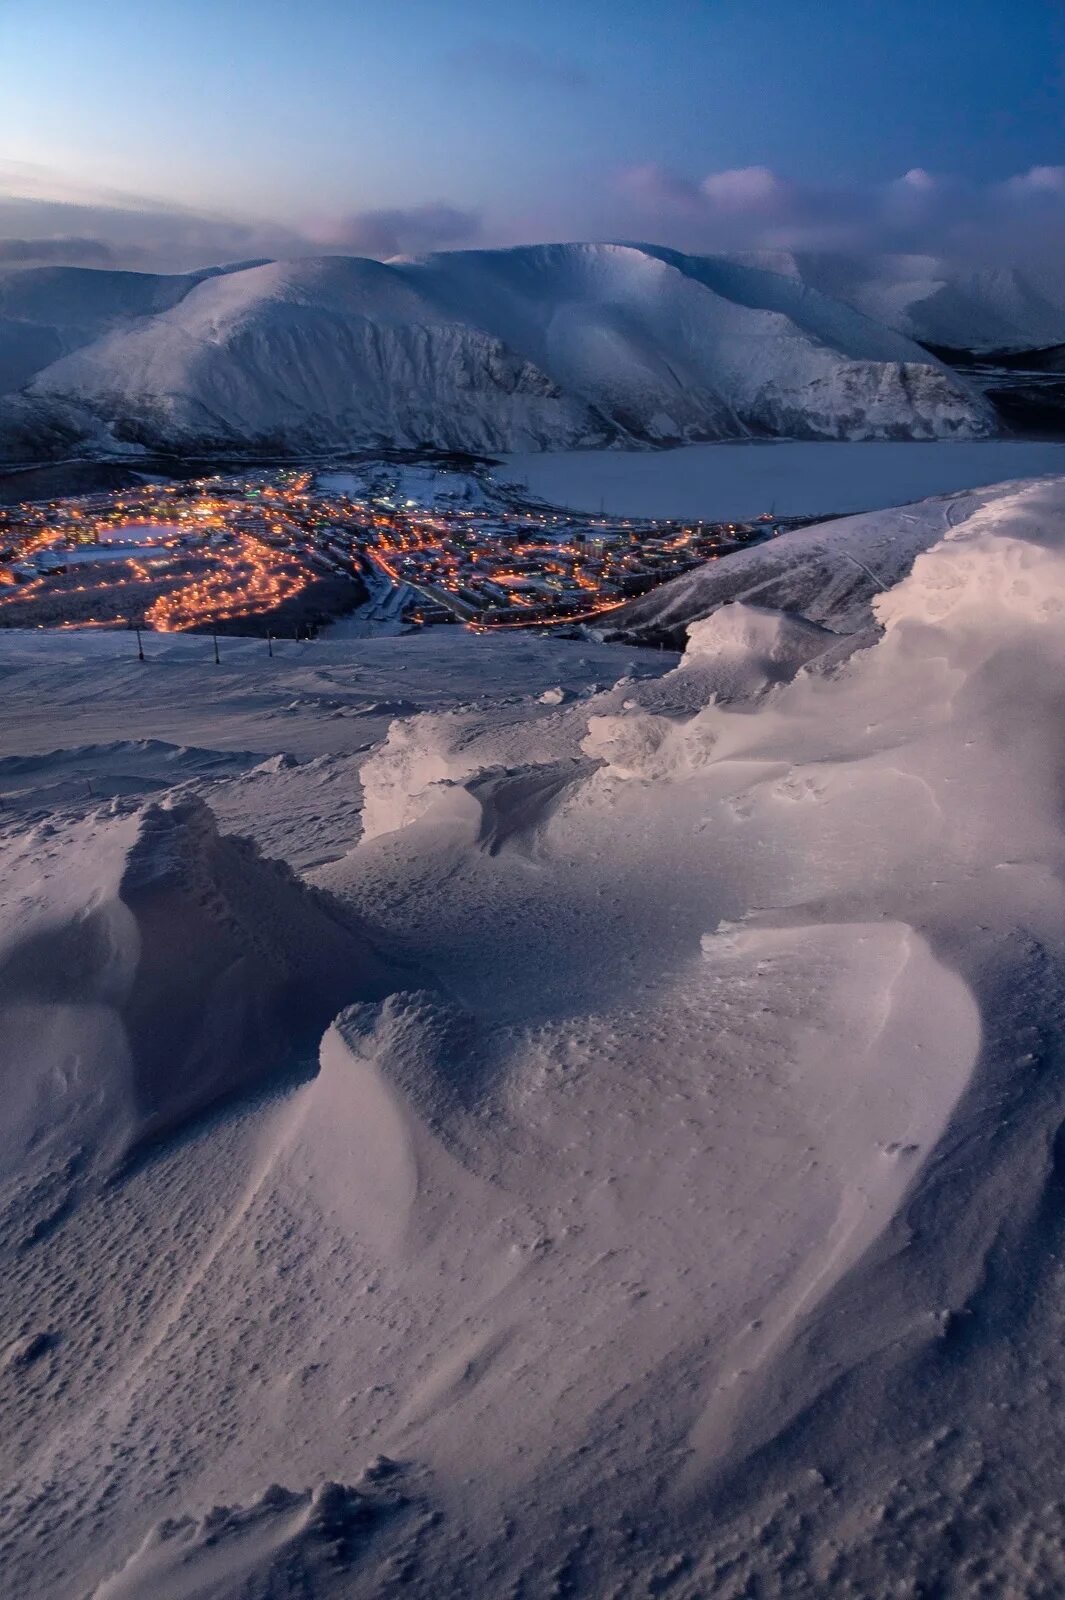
[548, 346]
[671, 1203]
[830, 572]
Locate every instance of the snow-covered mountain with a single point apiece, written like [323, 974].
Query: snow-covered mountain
[48, 312]
[535, 348]
[929, 299]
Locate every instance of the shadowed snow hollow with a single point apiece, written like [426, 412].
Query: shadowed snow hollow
[156, 966]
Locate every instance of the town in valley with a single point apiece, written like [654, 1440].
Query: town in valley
[385, 545]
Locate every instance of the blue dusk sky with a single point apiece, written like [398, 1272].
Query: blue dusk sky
[174, 132]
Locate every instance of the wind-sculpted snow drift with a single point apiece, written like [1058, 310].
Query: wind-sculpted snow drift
[541, 347]
[679, 1213]
[173, 968]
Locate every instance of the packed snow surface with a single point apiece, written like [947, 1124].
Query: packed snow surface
[516, 1117]
[537, 347]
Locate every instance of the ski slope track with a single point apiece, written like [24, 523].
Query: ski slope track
[525, 1117]
[533, 348]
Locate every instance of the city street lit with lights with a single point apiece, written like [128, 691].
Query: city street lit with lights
[266, 550]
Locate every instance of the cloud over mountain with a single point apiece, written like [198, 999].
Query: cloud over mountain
[1016, 220]
[399, 230]
[126, 231]
[1020, 218]
[46, 221]
[63, 250]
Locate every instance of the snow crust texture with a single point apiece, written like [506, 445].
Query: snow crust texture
[538, 347]
[615, 1151]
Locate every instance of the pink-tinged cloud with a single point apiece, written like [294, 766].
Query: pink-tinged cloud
[755, 189]
[657, 188]
[403, 230]
[1037, 182]
[1020, 220]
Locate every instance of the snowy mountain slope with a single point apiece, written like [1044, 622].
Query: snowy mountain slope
[829, 573]
[687, 1218]
[48, 312]
[648, 339]
[925, 298]
[997, 308]
[829, 318]
[537, 347]
[315, 353]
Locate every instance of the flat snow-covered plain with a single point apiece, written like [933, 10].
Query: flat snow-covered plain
[794, 478]
[507, 1117]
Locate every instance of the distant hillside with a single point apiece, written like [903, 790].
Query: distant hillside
[541, 347]
[928, 299]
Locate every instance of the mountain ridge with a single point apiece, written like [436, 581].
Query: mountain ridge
[536, 347]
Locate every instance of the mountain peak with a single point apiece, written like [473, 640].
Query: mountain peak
[532, 347]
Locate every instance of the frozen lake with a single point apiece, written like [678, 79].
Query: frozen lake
[792, 478]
